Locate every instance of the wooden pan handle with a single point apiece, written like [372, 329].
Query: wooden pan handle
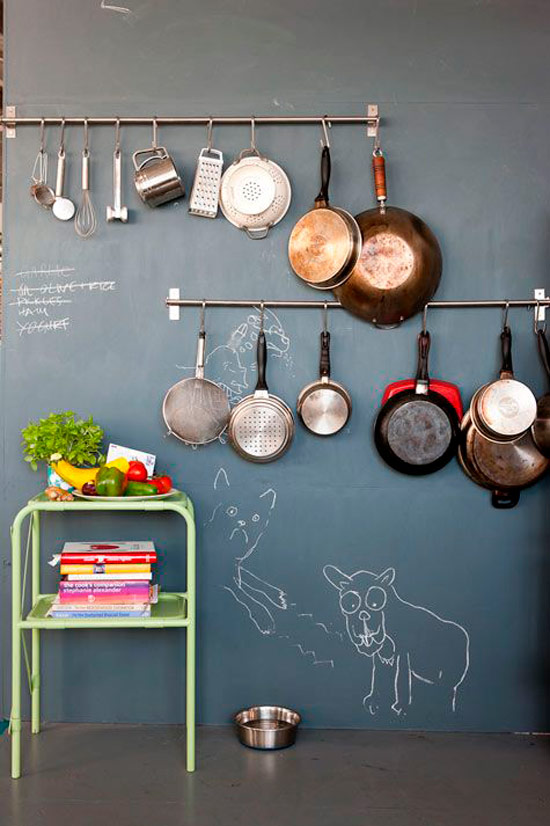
[379, 171]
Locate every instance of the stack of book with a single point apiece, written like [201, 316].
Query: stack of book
[104, 580]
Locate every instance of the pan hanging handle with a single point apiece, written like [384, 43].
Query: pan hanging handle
[504, 500]
[261, 353]
[422, 378]
[544, 351]
[379, 172]
[324, 363]
[506, 349]
[201, 345]
[322, 198]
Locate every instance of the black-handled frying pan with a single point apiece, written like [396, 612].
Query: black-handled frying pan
[541, 427]
[417, 430]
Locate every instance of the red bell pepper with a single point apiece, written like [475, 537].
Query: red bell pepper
[137, 472]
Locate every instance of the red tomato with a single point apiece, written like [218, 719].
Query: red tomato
[137, 472]
[162, 483]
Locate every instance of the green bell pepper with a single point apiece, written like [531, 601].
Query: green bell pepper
[140, 489]
[110, 482]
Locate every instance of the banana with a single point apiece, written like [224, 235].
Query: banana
[75, 476]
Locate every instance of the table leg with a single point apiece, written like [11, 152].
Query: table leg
[190, 665]
[35, 669]
[15, 720]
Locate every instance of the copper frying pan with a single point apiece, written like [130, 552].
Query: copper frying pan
[399, 268]
[325, 244]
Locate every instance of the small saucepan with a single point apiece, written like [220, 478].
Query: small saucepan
[324, 406]
[417, 429]
[504, 409]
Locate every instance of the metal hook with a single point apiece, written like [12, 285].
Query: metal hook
[325, 317]
[262, 313]
[253, 133]
[85, 151]
[155, 132]
[325, 140]
[377, 149]
[506, 311]
[209, 134]
[42, 135]
[203, 315]
[537, 320]
[62, 138]
[117, 136]
[424, 317]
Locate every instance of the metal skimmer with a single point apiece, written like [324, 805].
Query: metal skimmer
[205, 194]
[261, 426]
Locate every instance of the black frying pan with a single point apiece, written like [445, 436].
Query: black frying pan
[417, 431]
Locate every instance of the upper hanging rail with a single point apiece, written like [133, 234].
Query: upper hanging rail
[371, 119]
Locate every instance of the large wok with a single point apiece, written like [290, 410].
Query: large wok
[400, 264]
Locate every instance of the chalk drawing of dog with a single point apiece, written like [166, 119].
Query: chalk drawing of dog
[413, 641]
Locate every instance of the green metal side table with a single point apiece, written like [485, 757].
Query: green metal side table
[173, 610]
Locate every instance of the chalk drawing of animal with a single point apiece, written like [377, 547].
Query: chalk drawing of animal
[242, 524]
[413, 642]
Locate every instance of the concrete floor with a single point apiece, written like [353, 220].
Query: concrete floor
[85, 775]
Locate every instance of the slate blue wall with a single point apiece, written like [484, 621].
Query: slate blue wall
[463, 90]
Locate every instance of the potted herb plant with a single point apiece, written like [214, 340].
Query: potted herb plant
[69, 445]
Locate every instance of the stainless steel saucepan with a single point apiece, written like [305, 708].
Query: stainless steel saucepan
[324, 406]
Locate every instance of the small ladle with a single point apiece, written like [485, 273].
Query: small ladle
[63, 208]
[40, 191]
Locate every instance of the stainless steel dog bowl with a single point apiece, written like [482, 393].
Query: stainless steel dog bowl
[267, 727]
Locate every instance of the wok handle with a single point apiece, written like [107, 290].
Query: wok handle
[379, 172]
[506, 349]
[322, 198]
[422, 377]
[261, 355]
[544, 351]
[324, 364]
[504, 500]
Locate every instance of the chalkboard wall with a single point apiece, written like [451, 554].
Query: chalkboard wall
[464, 95]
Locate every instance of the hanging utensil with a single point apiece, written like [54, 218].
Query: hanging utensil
[399, 268]
[505, 468]
[40, 191]
[85, 222]
[205, 193]
[261, 426]
[324, 406]
[541, 427]
[63, 208]
[255, 192]
[156, 178]
[196, 410]
[117, 212]
[416, 431]
[325, 244]
[506, 408]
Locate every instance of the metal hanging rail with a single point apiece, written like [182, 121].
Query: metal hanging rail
[297, 304]
[370, 119]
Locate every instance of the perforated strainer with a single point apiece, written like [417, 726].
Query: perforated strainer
[261, 426]
[255, 192]
[196, 410]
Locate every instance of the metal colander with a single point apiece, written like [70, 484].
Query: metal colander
[261, 426]
[255, 192]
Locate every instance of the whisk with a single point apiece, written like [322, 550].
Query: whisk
[85, 222]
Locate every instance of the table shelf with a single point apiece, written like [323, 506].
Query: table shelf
[169, 612]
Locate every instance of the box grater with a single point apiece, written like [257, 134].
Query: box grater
[205, 193]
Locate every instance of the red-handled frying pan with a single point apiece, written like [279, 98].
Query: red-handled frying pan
[417, 428]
